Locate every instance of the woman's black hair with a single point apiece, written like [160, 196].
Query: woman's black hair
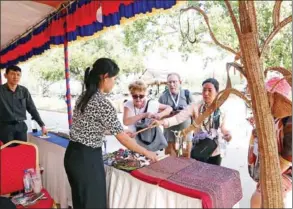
[212, 81]
[92, 79]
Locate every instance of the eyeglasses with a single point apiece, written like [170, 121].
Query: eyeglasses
[134, 96]
[171, 82]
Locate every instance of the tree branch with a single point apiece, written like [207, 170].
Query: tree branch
[236, 66]
[274, 32]
[276, 13]
[244, 17]
[210, 30]
[283, 71]
[218, 101]
[253, 19]
[233, 18]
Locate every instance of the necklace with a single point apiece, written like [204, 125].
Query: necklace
[207, 123]
[175, 102]
[138, 109]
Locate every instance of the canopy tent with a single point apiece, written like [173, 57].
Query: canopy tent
[83, 18]
[29, 28]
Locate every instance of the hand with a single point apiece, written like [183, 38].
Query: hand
[227, 137]
[151, 155]
[157, 123]
[44, 131]
[130, 134]
[148, 115]
[156, 116]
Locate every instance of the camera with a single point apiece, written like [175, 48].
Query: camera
[176, 109]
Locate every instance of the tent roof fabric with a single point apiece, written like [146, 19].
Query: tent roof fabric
[29, 28]
[18, 16]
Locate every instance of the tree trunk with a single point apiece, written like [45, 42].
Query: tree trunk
[270, 172]
[270, 177]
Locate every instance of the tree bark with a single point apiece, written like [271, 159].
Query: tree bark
[270, 174]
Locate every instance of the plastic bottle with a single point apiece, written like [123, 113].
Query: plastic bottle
[223, 145]
[37, 182]
[27, 182]
[184, 143]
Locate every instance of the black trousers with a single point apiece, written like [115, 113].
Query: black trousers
[6, 203]
[9, 132]
[216, 160]
[86, 174]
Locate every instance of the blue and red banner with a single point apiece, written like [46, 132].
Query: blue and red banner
[81, 22]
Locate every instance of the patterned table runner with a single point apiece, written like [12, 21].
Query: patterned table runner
[216, 186]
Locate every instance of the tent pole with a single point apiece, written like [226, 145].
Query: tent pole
[0, 77]
[67, 76]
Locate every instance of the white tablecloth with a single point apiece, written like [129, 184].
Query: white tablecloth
[54, 177]
[124, 191]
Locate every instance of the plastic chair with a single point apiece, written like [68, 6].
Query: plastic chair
[14, 161]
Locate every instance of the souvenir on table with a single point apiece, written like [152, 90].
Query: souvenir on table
[180, 143]
[125, 160]
[27, 199]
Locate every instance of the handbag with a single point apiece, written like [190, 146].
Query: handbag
[152, 139]
[204, 148]
[142, 124]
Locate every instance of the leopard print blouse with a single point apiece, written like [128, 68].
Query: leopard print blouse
[99, 116]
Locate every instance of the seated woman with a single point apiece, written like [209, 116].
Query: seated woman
[134, 110]
[284, 139]
[210, 125]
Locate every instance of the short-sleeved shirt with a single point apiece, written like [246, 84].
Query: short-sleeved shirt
[153, 107]
[165, 98]
[89, 128]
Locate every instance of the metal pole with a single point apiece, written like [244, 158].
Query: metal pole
[0, 77]
[67, 75]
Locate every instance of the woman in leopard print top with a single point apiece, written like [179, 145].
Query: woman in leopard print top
[93, 117]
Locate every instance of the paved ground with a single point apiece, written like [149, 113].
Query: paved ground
[236, 157]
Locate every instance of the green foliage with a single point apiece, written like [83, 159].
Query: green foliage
[49, 68]
[279, 52]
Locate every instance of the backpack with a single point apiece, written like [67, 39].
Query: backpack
[187, 96]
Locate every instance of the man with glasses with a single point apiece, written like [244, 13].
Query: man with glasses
[178, 99]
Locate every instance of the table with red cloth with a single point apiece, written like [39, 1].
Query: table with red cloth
[124, 190]
[216, 186]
